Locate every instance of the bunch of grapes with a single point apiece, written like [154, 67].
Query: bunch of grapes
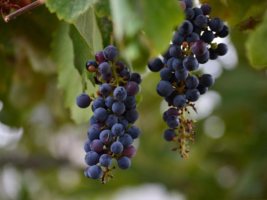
[181, 84]
[112, 130]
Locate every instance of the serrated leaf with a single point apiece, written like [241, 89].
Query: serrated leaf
[69, 79]
[256, 46]
[69, 10]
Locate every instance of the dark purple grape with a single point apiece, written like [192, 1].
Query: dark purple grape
[109, 101]
[131, 115]
[155, 65]
[94, 172]
[105, 89]
[191, 82]
[111, 120]
[124, 162]
[175, 51]
[179, 101]
[172, 122]
[186, 28]
[193, 37]
[104, 68]
[190, 63]
[169, 134]
[216, 24]
[221, 49]
[197, 11]
[98, 103]
[99, 57]
[166, 74]
[120, 93]
[110, 53]
[116, 147]
[97, 146]
[134, 132]
[224, 32]
[83, 100]
[132, 88]
[181, 75]
[136, 78]
[177, 39]
[213, 54]
[91, 158]
[129, 151]
[177, 65]
[117, 129]
[199, 48]
[206, 80]
[126, 140]
[206, 9]
[105, 136]
[164, 88]
[207, 36]
[203, 58]
[86, 146]
[105, 160]
[192, 94]
[93, 132]
[189, 13]
[100, 114]
[201, 21]
[118, 108]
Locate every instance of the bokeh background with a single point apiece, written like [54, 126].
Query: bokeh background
[41, 147]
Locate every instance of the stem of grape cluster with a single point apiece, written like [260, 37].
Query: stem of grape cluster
[24, 9]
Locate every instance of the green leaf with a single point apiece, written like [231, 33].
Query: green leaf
[69, 79]
[87, 26]
[155, 17]
[69, 10]
[160, 18]
[256, 46]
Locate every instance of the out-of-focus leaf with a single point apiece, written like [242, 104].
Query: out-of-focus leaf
[69, 10]
[87, 26]
[256, 46]
[69, 79]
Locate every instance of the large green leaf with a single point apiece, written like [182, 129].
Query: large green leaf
[69, 10]
[256, 46]
[69, 79]
[87, 26]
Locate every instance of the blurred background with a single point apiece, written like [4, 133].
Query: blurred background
[41, 148]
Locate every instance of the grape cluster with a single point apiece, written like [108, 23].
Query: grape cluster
[181, 84]
[112, 130]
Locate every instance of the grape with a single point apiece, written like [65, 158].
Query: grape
[131, 115]
[175, 51]
[206, 80]
[109, 101]
[126, 140]
[96, 145]
[86, 146]
[190, 14]
[94, 172]
[105, 160]
[216, 24]
[203, 58]
[93, 132]
[207, 36]
[193, 37]
[118, 108]
[221, 49]
[155, 65]
[179, 101]
[132, 88]
[116, 147]
[91, 65]
[181, 75]
[199, 48]
[130, 102]
[188, 3]
[206, 9]
[124, 122]
[135, 77]
[177, 65]
[191, 82]
[201, 21]
[83, 100]
[99, 57]
[105, 89]
[100, 114]
[224, 32]
[169, 134]
[105, 136]
[117, 129]
[197, 12]
[124, 162]
[120, 93]
[164, 88]
[98, 103]
[172, 122]
[134, 132]
[166, 74]
[190, 63]
[110, 52]
[202, 89]
[213, 54]
[186, 28]
[177, 39]
[104, 68]
[192, 94]
[91, 158]
[111, 120]
[129, 151]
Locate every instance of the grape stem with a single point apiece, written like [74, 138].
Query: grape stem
[24, 9]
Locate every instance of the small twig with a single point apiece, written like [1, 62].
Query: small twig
[24, 9]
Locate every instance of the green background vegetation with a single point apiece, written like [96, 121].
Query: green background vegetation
[42, 56]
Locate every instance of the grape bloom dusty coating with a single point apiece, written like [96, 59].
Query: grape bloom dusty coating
[181, 84]
[112, 131]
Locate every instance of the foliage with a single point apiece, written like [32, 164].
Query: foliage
[42, 56]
